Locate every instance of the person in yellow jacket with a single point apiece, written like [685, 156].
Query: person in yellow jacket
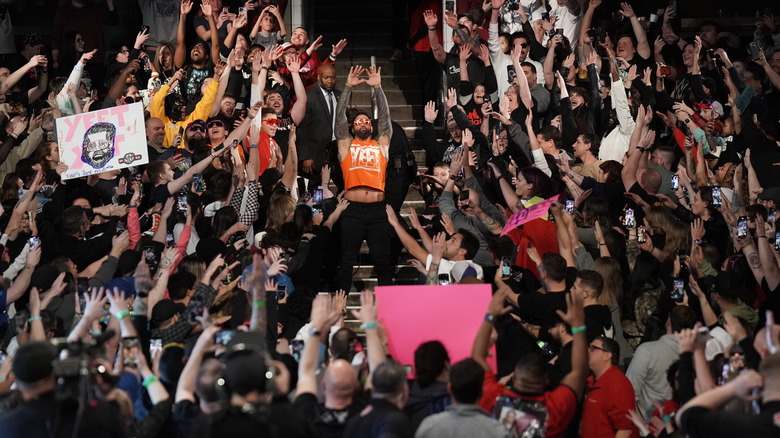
[170, 108]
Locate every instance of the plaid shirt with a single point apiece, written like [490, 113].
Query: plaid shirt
[179, 331]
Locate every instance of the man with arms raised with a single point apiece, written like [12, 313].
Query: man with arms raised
[364, 166]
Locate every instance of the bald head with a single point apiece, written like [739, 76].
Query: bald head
[155, 130]
[340, 379]
[650, 180]
[327, 77]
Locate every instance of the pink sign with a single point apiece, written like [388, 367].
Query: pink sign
[528, 214]
[448, 314]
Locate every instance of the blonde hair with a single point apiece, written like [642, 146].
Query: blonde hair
[280, 210]
[609, 268]
[678, 239]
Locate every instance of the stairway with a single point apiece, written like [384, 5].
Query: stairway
[371, 36]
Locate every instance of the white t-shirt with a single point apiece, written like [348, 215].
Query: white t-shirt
[566, 22]
[445, 266]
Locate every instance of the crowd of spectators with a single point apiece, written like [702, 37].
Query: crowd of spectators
[206, 293]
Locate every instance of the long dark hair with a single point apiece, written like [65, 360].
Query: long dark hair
[543, 184]
[646, 274]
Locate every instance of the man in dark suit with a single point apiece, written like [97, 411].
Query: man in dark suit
[315, 132]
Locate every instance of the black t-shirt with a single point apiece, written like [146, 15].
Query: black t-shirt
[276, 420]
[328, 423]
[380, 419]
[282, 135]
[184, 415]
[35, 418]
[160, 194]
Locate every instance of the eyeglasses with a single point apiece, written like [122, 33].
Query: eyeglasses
[593, 347]
[214, 123]
[272, 122]
[359, 122]
[196, 128]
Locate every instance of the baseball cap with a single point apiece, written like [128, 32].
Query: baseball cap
[164, 310]
[711, 104]
[770, 194]
[197, 122]
[33, 361]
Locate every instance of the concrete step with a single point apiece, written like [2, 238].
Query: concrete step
[366, 11]
[362, 96]
[389, 68]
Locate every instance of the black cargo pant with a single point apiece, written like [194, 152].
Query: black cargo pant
[365, 221]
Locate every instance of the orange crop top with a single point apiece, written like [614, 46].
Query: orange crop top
[365, 165]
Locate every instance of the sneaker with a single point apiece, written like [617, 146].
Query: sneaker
[397, 55]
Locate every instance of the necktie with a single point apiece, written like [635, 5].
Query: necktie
[330, 103]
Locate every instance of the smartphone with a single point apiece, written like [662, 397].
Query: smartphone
[219, 147]
[195, 310]
[464, 195]
[444, 279]
[678, 291]
[777, 241]
[754, 50]
[281, 292]
[144, 29]
[121, 226]
[546, 16]
[178, 153]
[511, 74]
[506, 270]
[241, 10]
[169, 241]
[317, 196]
[198, 183]
[223, 337]
[34, 241]
[296, 348]
[449, 5]
[182, 201]
[82, 286]
[569, 206]
[742, 227]
[641, 234]
[666, 71]
[315, 211]
[772, 216]
[128, 359]
[155, 347]
[151, 258]
[306, 197]
[716, 197]
[226, 10]
[628, 218]
[675, 183]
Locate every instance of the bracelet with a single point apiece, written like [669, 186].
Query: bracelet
[332, 56]
[34, 318]
[95, 332]
[495, 9]
[258, 303]
[148, 381]
[490, 318]
[263, 68]
[579, 329]
[252, 146]
[758, 237]
[432, 29]
[602, 244]
[122, 314]
[686, 121]
[368, 325]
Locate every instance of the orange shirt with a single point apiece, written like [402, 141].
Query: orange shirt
[365, 165]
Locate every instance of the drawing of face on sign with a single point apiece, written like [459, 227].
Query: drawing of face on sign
[98, 146]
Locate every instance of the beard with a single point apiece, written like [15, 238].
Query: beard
[194, 144]
[363, 133]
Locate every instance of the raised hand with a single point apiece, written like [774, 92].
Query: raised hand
[186, 7]
[374, 76]
[431, 19]
[368, 306]
[451, 18]
[353, 78]
[337, 48]
[431, 112]
[207, 8]
[293, 62]
[465, 52]
[626, 10]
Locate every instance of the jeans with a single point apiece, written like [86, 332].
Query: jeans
[365, 221]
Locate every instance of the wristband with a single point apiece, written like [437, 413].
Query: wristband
[34, 318]
[263, 68]
[252, 146]
[368, 325]
[122, 314]
[490, 318]
[148, 381]
[454, 177]
[258, 303]
[432, 29]
[2, 379]
[95, 332]
[579, 329]
[495, 9]
[314, 332]
[332, 56]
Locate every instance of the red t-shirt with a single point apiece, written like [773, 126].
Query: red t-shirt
[607, 402]
[561, 403]
[541, 234]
